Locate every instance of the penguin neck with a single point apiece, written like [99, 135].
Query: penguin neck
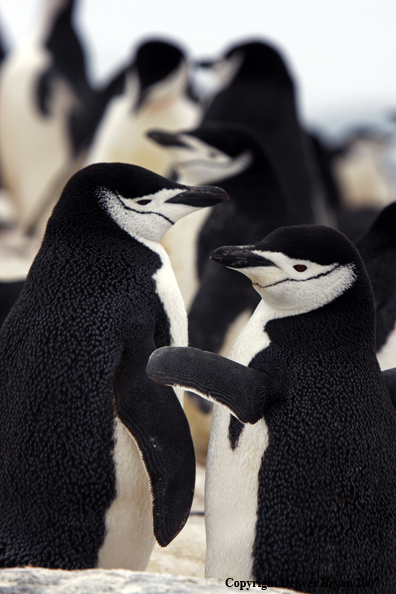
[347, 323]
[51, 11]
[170, 88]
[78, 215]
[258, 192]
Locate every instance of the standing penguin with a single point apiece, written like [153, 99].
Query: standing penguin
[155, 95]
[301, 486]
[44, 94]
[99, 298]
[377, 248]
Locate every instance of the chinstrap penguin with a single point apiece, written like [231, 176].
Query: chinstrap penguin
[99, 298]
[301, 479]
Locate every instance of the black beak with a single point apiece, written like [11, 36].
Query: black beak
[205, 63]
[166, 139]
[200, 196]
[239, 257]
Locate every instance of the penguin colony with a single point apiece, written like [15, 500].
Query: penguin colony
[97, 459]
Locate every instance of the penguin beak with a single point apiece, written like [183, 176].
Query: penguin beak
[205, 63]
[239, 257]
[166, 139]
[200, 197]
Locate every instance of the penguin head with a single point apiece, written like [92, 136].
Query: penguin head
[140, 202]
[161, 70]
[213, 152]
[297, 269]
[252, 60]
[259, 59]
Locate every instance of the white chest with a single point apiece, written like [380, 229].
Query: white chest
[172, 301]
[169, 293]
[232, 475]
[253, 338]
[129, 523]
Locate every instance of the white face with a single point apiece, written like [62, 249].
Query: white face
[202, 164]
[147, 217]
[293, 287]
[210, 80]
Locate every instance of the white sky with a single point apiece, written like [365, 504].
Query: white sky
[343, 52]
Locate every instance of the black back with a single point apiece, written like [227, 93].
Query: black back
[9, 292]
[378, 249]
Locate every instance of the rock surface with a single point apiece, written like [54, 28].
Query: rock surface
[99, 581]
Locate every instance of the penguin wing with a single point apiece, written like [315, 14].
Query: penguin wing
[245, 391]
[389, 377]
[154, 417]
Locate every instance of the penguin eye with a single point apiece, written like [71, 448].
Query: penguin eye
[213, 155]
[300, 267]
[143, 202]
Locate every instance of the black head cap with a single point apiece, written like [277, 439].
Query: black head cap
[131, 181]
[315, 243]
[156, 60]
[260, 59]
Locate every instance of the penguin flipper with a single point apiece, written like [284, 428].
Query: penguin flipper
[152, 414]
[389, 377]
[245, 391]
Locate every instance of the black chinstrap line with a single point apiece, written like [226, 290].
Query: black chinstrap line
[296, 280]
[212, 164]
[144, 213]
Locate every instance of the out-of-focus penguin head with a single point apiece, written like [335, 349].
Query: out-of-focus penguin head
[211, 153]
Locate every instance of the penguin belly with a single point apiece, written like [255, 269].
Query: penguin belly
[231, 489]
[129, 536]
